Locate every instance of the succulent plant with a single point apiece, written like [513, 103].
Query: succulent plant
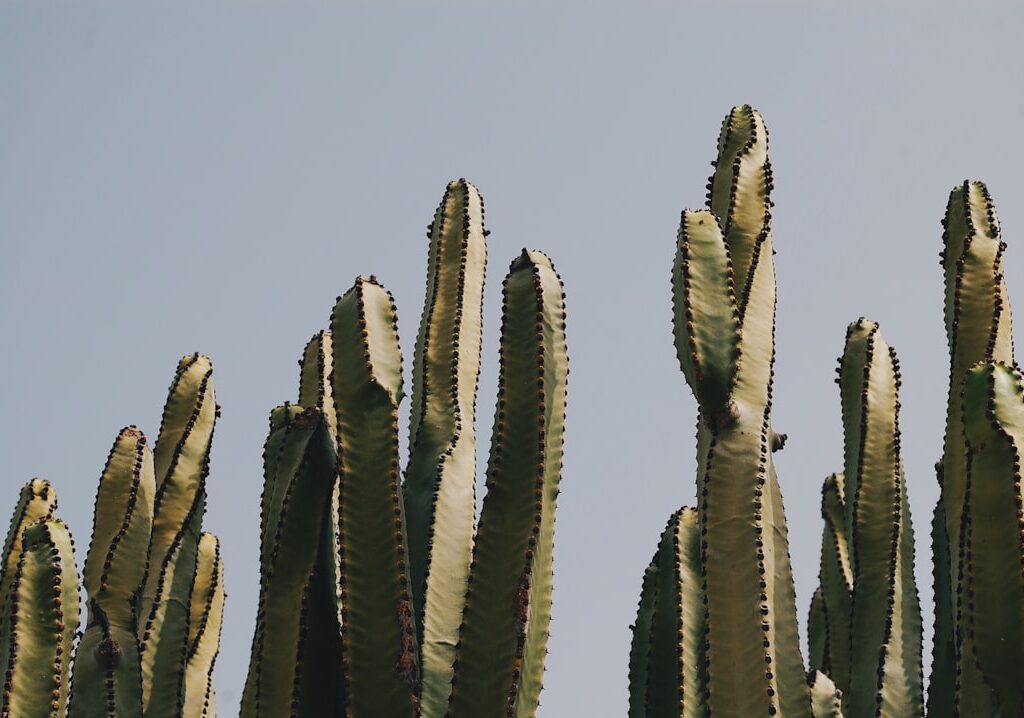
[409, 612]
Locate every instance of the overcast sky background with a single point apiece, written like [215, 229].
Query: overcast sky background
[208, 177]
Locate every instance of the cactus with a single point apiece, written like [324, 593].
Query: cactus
[724, 314]
[155, 587]
[978, 327]
[872, 620]
[826, 699]
[408, 612]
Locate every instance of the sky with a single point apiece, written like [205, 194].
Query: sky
[193, 177]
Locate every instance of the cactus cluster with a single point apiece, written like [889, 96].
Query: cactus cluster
[153, 580]
[377, 596]
[715, 633]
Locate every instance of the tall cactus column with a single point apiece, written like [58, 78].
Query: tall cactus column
[978, 328]
[724, 296]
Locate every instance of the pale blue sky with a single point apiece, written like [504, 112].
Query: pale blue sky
[210, 176]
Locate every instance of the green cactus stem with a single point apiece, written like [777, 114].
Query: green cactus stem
[380, 658]
[37, 500]
[826, 699]
[107, 677]
[673, 647]
[300, 463]
[991, 589]
[639, 650]
[885, 621]
[181, 462]
[39, 624]
[207, 613]
[832, 630]
[754, 664]
[503, 638]
[440, 480]
[978, 328]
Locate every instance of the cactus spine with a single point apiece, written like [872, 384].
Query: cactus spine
[872, 627]
[406, 613]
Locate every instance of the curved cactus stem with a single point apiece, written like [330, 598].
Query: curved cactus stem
[108, 675]
[754, 664]
[37, 500]
[706, 318]
[978, 325]
[676, 671]
[300, 467]
[207, 613]
[640, 646]
[181, 461]
[817, 632]
[826, 699]
[378, 627]
[992, 581]
[885, 617]
[39, 624]
[942, 680]
[503, 638]
[836, 582]
[440, 481]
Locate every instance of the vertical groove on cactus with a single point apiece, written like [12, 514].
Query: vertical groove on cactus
[440, 480]
[504, 631]
[747, 577]
[978, 324]
[181, 461]
[107, 677]
[39, 624]
[991, 589]
[207, 607]
[378, 626]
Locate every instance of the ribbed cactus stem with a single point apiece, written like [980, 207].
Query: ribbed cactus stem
[300, 467]
[885, 622]
[380, 657]
[504, 633]
[676, 671]
[37, 500]
[754, 663]
[181, 462]
[990, 609]
[39, 624]
[107, 679]
[826, 699]
[440, 480]
[978, 327]
[639, 649]
[207, 613]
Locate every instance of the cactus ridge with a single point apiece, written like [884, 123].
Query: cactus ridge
[826, 698]
[440, 483]
[639, 654]
[40, 622]
[378, 633]
[37, 500]
[207, 611]
[504, 630]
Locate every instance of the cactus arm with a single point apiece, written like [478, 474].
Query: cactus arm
[39, 624]
[826, 699]
[883, 663]
[107, 672]
[676, 673]
[181, 462]
[817, 632]
[300, 475]
[504, 631]
[942, 678]
[706, 319]
[37, 500]
[993, 554]
[207, 613]
[836, 580]
[440, 480]
[639, 651]
[378, 628]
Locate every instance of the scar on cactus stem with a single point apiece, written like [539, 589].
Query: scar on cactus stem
[725, 417]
